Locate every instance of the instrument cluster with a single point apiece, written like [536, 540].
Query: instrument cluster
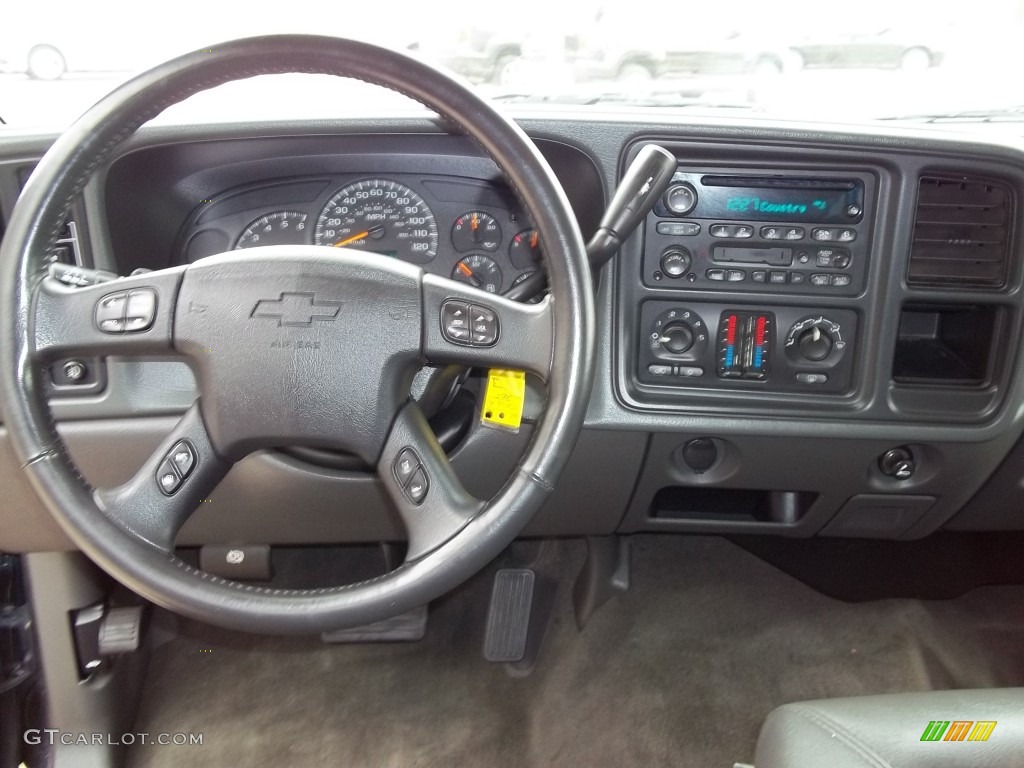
[466, 229]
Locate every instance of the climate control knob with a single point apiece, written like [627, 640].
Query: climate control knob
[675, 262]
[677, 337]
[815, 344]
[815, 340]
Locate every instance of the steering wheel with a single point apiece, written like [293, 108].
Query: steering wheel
[291, 345]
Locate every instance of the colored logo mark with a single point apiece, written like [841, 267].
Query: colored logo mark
[958, 730]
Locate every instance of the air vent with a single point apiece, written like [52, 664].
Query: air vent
[962, 233]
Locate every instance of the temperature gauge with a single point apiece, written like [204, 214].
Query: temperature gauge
[476, 231]
[479, 271]
[524, 251]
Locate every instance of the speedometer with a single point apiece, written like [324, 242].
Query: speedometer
[382, 216]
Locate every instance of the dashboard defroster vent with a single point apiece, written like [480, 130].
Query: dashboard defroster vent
[961, 233]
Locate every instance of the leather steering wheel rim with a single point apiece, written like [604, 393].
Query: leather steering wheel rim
[155, 572]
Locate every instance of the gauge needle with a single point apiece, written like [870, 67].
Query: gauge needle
[533, 240]
[359, 236]
[469, 273]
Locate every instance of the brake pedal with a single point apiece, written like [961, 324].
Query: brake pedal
[508, 618]
[407, 627]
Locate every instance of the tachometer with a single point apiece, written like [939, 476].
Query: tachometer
[382, 216]
[278, 228]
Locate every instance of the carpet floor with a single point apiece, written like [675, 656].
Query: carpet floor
[680, 671]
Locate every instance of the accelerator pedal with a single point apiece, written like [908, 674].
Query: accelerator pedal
[508, 619]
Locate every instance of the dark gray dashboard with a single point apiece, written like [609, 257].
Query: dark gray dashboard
[789, 446]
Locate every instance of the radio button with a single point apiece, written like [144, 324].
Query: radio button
[776, 277]
[742, 231]
[797, 278]
[735, 275]
[819, 280]
[721, 230]
[840, 281]
[678, 228]
[782, 233]
[759, 276]
[846, 235]
[715, 274]
[823, 235]
[832, 258]
[680, 199]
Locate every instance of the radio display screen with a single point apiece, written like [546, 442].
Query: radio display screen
[789, 200]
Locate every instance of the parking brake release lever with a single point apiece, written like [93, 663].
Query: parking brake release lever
[646, 180]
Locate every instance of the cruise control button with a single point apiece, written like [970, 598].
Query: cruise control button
[140, 310]
[455, 321]
[484, 325]
[406, 463]
[715, 274]
[417, 488]
[167, 477]
[110, 312]
[183, 456]
[678, 228]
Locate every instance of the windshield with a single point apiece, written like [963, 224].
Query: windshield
[800, 60]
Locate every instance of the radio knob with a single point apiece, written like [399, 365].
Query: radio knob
[675, 262]
[677, 337]
[815, 344]
[680, 199]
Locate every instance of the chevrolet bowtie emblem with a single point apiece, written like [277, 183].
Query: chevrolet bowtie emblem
[296, 309]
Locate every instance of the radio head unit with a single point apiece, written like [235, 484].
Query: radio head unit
[799, 232]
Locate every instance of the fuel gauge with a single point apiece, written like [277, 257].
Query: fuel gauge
[476, 231]
[479, 271]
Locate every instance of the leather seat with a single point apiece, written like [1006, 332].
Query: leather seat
[890, 731]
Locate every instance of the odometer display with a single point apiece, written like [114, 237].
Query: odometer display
[382, 216]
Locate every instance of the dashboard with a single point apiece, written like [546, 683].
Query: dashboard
[817, 331]
[461, 228]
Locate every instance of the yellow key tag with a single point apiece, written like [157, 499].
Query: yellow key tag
[503, 399]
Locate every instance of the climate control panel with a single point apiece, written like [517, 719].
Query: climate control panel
[781, 349]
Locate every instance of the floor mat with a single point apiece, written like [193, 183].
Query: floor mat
[681, 671]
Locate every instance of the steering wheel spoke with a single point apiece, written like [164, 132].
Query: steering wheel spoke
[462, 324]
[128, 316]
[432, 501]
[157, 501]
